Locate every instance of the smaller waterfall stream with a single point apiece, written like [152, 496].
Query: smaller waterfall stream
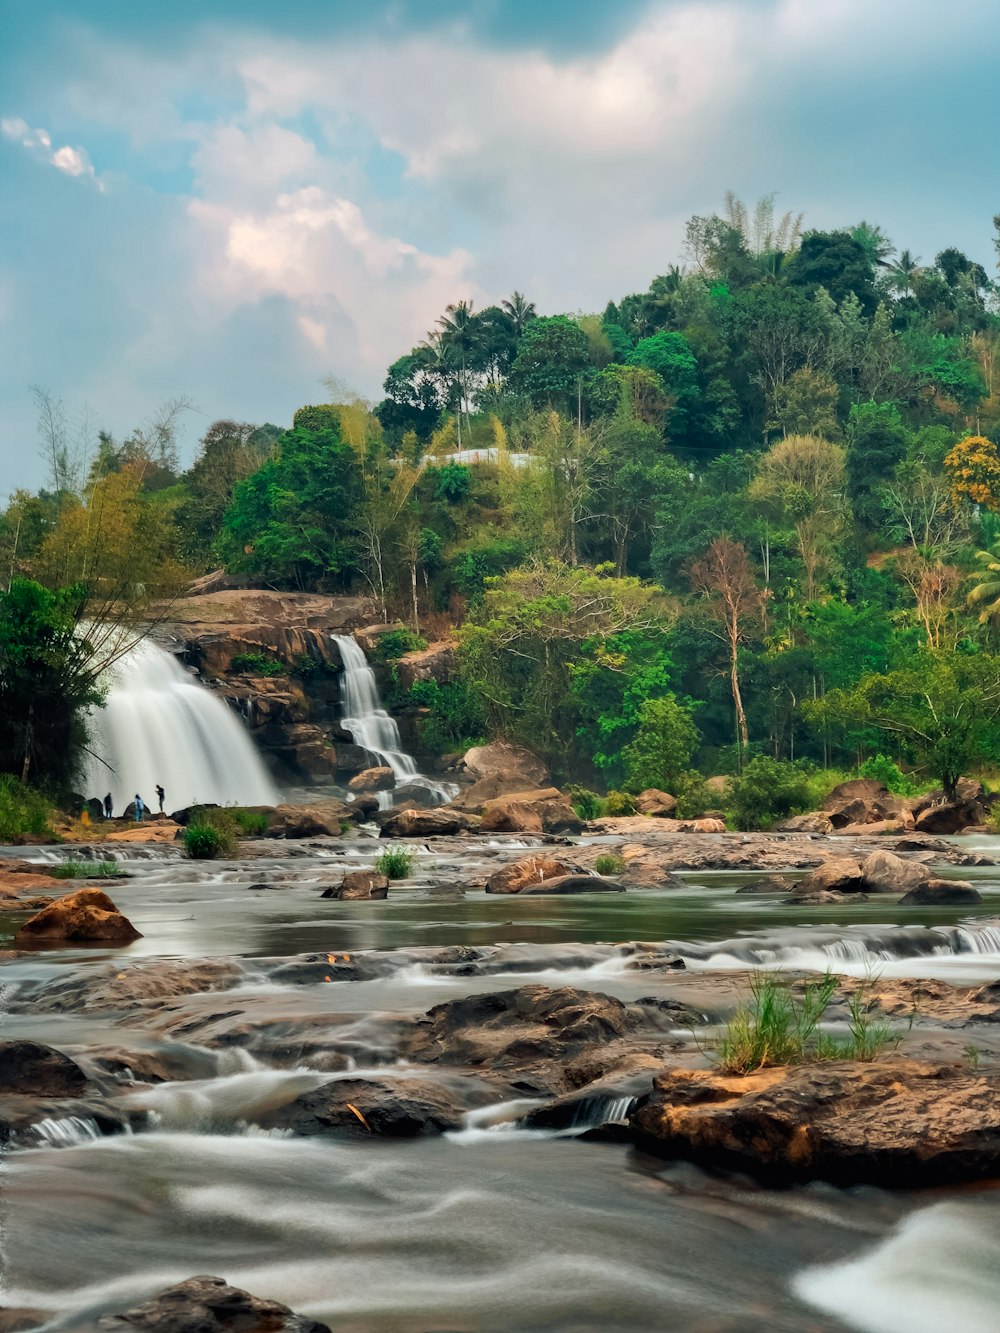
[373, 729]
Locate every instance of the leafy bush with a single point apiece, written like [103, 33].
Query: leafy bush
[396, 643]
[454, 716]
[488, 559]
[85, 870]
[618, 803]
[250, 823]
[609, 864]
[587, 804]
[453, 482]
[395, 863]
[882, 769]
[23, 811]
[663, 745]
[257, 664]
[693, 796]
[768, 790]
[205, 842]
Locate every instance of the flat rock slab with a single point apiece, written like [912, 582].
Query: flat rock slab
[895, 1123]
[206, 1304]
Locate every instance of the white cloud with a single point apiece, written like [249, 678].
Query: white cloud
[70, 161]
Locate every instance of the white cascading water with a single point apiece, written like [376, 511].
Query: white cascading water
[373, 729]
[161, 725]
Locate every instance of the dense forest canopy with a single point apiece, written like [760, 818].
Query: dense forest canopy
[749, 511]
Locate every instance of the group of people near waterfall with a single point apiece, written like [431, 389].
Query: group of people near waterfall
[139, 806]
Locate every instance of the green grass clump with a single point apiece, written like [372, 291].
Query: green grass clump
[23, 811]
[249, 823]
[85, 870]
[395, 864]
[205, 842]
[609, 864]
[587, 804]
[396, 643]
[779, 1026]
[257, 664]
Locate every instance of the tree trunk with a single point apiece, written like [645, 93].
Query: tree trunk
[413, 591]
[741, 717]
[26, 765]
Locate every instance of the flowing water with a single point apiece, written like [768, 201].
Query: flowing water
[374, 730]
[490, 1227]
[161, 725]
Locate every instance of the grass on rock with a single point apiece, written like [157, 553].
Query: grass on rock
[86, 870]
[395, 863]
[609, 864]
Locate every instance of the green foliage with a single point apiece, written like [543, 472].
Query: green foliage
[486, 560]
[86, 870]
[23, 811]
[663, 746]
[552, 360]
[257, 664]
[768, 790]
[880, 768]
[250, 823]
[609, 864]
[454, 717]
[587, 804]
[618, 803]
[451, 482]
[395, 863]
[396, 643]
[206, 842]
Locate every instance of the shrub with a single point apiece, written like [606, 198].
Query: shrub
[23, 811]
[250, 823]
[205, 842]
[618, 803]
[454, 717]
[663, 746]
[767, 790]
[257, 664]
[609, 864]
[396, 643]
[395, 863]
[693, 796]
[85, 870]
[587, 804]
[883, 769]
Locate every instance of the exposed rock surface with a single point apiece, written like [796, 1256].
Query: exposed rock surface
[767, 884]
[949, 817]
[517, 875]
[147, 831]
[885, 872]
[27, 1068]
[895, 1123]
[941, 892]
[841, 874]
[210, 1305]
[814, 823]
[319, 819]
[360, 884]
[658, 804]
[388, 1106]
[441, 822]
[863, 801]
[546, 810]
[574, 884]
[487, 761]
[373, 779]
[88, 915]
[435, 662]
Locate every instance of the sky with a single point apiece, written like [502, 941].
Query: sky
[227, 200]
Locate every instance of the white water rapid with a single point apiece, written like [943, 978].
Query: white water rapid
[160, 725]
[373, 729]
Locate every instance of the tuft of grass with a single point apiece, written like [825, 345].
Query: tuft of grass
[778, 1026]
[206, 842]
[85, 870]
[249, 823]
[609, 864]
[395, 863]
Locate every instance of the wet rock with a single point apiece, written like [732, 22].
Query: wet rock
[373, 779]
[841, 874]
[88, 915]
[657, 804]
[360, 884]
[895, 1123]
[441, 822]
[131, 988]
[391, 1107]
[814, 823]
[546, 810]
[486, 761]
[518, 875]
[878, 828]
[884, 872]
[645, 867]
[207, 1304]
[769, 884]
[824, 896]
[573, 884]
[21, 1320]
[31, 1069]
[24, 1119]
[413, 795]
[941, 892]
[861, 801]
[318, 819]
[949, 816]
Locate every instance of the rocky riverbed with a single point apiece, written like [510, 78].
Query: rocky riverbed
[505, 1101]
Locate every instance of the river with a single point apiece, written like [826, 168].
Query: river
[489, 1227]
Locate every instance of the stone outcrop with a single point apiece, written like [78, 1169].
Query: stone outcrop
[206, 1305]
[814, 823]
[86, 916]
[147, 831]
[949, 816]
[487, 761]
[638, 825]
[895, 1123]
[941, 893]
[519, 875]
[841, 874]
[437, 661]
[373, 779]
[546, 810]
[360, 884]
[863, 801]
[884, 872]
[29, 1069]
[317, 820]
[441, 822]
[658, 804]
[389, 1107]
[574, 884]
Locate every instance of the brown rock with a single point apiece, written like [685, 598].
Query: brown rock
[659, 804]
[861, 801]
[442, 822]
[885, 872]
[28, 1068]
[501, 783]
[574, 884]
[949, 817]
[841, 874]
[389, 1107]
[435, 662]
[360, 884]
[373, 779]
[206, 1304]
[814, 823]
[941, 892]
[543, 811]
[86, 915]
[318, 819]
[893, 1123]
[147, 831]
[15, 882]
[875, 828]
[518, 875]
[767, 884]
[484, 761]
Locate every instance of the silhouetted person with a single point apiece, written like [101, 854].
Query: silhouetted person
[160, 793]
[140, 809]
[107, 806]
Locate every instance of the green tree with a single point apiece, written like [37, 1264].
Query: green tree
[551, 363]
[876, 446]
[661, 752]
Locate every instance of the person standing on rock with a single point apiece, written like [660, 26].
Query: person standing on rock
[140, 809]
[160, 794]
[107, 806]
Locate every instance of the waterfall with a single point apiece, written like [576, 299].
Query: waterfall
[161, 725]
[373, 729]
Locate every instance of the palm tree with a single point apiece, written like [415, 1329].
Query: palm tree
[901, 272]
[519, 310]
[876, 245]
[988, 591]
[460, 332]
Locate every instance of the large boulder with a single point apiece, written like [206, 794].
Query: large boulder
[942, 893]
[659, 804]
[884, 872]
[490, 788]
[27, 1068]
[574, 884]
[437, 661]
[949, 816]
[861, 801]
[206, 1305]
[519, 875]
[814, 823]
[486, 761]
[441, 822]
[373, 779]
[86, 916]
[389, 1106]
[360, 884]
[895, 1123]
[546, 810]
[841, 874]
[316, 820]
